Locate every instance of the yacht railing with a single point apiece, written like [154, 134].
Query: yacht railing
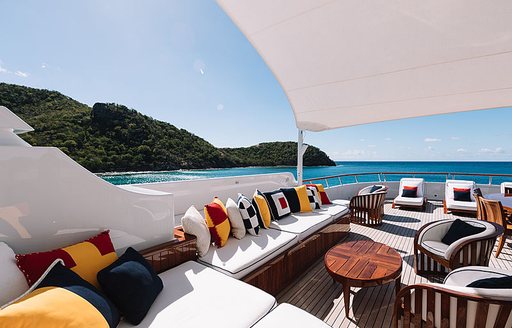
[383, 177]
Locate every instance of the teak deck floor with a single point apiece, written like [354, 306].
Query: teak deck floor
[316, 292]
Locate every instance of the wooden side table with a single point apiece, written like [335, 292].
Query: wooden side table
[173, 253]
[363, 263]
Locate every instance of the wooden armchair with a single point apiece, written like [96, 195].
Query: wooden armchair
[431, 256]
[368, 209]
[452, 304]
[492, 211]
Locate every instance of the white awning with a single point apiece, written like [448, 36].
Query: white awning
[349, 62]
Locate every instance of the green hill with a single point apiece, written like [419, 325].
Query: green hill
[111, 137]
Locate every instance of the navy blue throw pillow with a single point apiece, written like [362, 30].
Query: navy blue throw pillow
[462, 194]
[410, 192]
[374, 188]
[293, 200]
[460, 229]
[131, 284]
[494, 283]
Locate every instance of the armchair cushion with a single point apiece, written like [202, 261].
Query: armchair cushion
[466, 275]
[460, 229]
[412, 182]
[437, 230]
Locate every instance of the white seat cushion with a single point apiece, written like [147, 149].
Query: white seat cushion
[344, 202]
[458, 205]
[464, 276]
[435, 246]
[416, 201]
[240, 257]
[302, 224]
[286, 315]
[194, 295]
[334, 210]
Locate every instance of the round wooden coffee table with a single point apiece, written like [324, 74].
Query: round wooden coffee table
[363, 263]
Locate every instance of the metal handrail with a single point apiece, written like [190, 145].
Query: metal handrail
[382, 175]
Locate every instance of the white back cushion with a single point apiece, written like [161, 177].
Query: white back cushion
[505, 185]
[450, 184]
[412, 182]
[12, 280]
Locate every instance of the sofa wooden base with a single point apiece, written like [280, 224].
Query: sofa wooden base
[274, 276]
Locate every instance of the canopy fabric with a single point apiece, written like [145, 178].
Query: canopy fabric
[350, 62]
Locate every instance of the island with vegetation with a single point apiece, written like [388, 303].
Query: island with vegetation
[114, 138]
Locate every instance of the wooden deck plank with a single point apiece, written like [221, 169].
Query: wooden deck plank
[315, 291]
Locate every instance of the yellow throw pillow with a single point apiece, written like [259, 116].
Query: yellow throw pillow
[262, 209]
[302, 194]
[217, 221]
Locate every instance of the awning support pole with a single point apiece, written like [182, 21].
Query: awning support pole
[301, 149]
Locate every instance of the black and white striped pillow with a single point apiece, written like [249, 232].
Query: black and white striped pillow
[249, 216]
[313, 197]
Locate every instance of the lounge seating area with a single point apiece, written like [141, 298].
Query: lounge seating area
[315, 292]
[273, 274]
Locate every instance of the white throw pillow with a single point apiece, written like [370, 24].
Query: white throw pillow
[193, 223]
[235, 218]
[12, 280]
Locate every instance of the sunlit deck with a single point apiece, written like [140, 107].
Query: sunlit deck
[316, 292]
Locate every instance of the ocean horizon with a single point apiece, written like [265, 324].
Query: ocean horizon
[342, 167]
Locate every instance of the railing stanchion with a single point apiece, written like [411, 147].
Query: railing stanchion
[341, 183]
[326, 182]
[355, 177]
[490, 180]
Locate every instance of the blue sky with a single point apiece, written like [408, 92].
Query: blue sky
[185, 62]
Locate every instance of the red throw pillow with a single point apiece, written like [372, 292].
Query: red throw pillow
[410, 191]
[321, 191]
[86, 259]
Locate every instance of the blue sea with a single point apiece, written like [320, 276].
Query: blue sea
[340, 168]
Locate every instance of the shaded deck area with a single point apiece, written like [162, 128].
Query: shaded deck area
[316, 292]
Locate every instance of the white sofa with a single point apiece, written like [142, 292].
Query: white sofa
[197, 296]
[238, 258]
[418, 201]
[450, 204]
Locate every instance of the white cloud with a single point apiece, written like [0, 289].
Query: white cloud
[497, 150]
[455, 138]
[362, 140]
[461, 150]
[430, 148]
[21, 74]
[372, 146]
[44, 65]
[387, 139]
[3, 70]
[432, 140]
[220, 107]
